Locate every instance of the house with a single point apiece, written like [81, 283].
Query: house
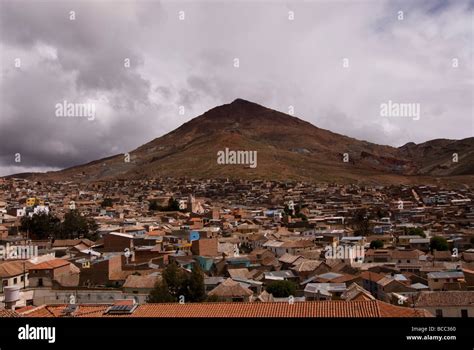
[377, 255]
[422, 244]
[356, 292]
[447, 303]
[282, 275]
[105, 271]
[304, 268]
[443, 280]
[204, 247]
[231, 291]
[334, 277]
[117, 242]
[333, 308]
[324, 291]
[444, 255]
[212, 282]
[293, 247]
[46, 272]
[369, 281]
[406, 256]
[288, 260]
[136, 284]
[388, 285]
[14, 273]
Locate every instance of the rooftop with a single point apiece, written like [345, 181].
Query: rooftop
[333, 308]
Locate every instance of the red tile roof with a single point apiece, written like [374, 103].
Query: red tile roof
[333, 308]
[50, 264]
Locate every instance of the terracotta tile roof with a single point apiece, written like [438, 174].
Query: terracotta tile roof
[50, 264]
[407, 254]
[371, 276]
[13, 268]
[333, 308]
[134, 281]
[229, 289]
[445, 298]
[305, 265]
[9, 313]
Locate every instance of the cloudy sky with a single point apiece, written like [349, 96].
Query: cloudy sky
[290, 54]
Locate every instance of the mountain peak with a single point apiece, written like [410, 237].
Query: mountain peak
[239, 101]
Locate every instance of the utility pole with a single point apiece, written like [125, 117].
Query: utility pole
[24, 274]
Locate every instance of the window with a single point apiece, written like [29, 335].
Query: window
[22, 278]
[14, 280]
[436, 280]
[439, 313]
[464, 313]
[408, 261]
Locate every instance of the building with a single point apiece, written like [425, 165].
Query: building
[43, 274]
[310, 309]
[444, 280]
[204, 247]
[447, 303]
[231, 291]
[14, 273]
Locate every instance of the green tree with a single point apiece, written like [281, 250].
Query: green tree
[41, 225]
[281, 289]
[360, 222]
[173, 205]
[438, 243]
[160, 293]
[153, 206]
[107, 202]
[196, 288]
[176, 283]
[377, 244]
[176, 280]
[75, 225]
[416, 231]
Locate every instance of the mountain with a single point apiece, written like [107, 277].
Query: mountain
[287, 148]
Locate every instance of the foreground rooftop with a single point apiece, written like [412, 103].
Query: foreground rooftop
[360, 308]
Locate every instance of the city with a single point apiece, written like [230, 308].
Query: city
[408, 250]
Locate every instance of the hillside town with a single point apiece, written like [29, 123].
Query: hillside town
[188, 247]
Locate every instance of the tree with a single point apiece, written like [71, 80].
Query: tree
[176, 283]
[360, 222]
[153, 206]
[41, 225]
[281, 289]
[196, 288]
[107, 202]
[160, 293]
[173, 205]
[377, 244]
[438, 243]
[416, 231]
[75, 225]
